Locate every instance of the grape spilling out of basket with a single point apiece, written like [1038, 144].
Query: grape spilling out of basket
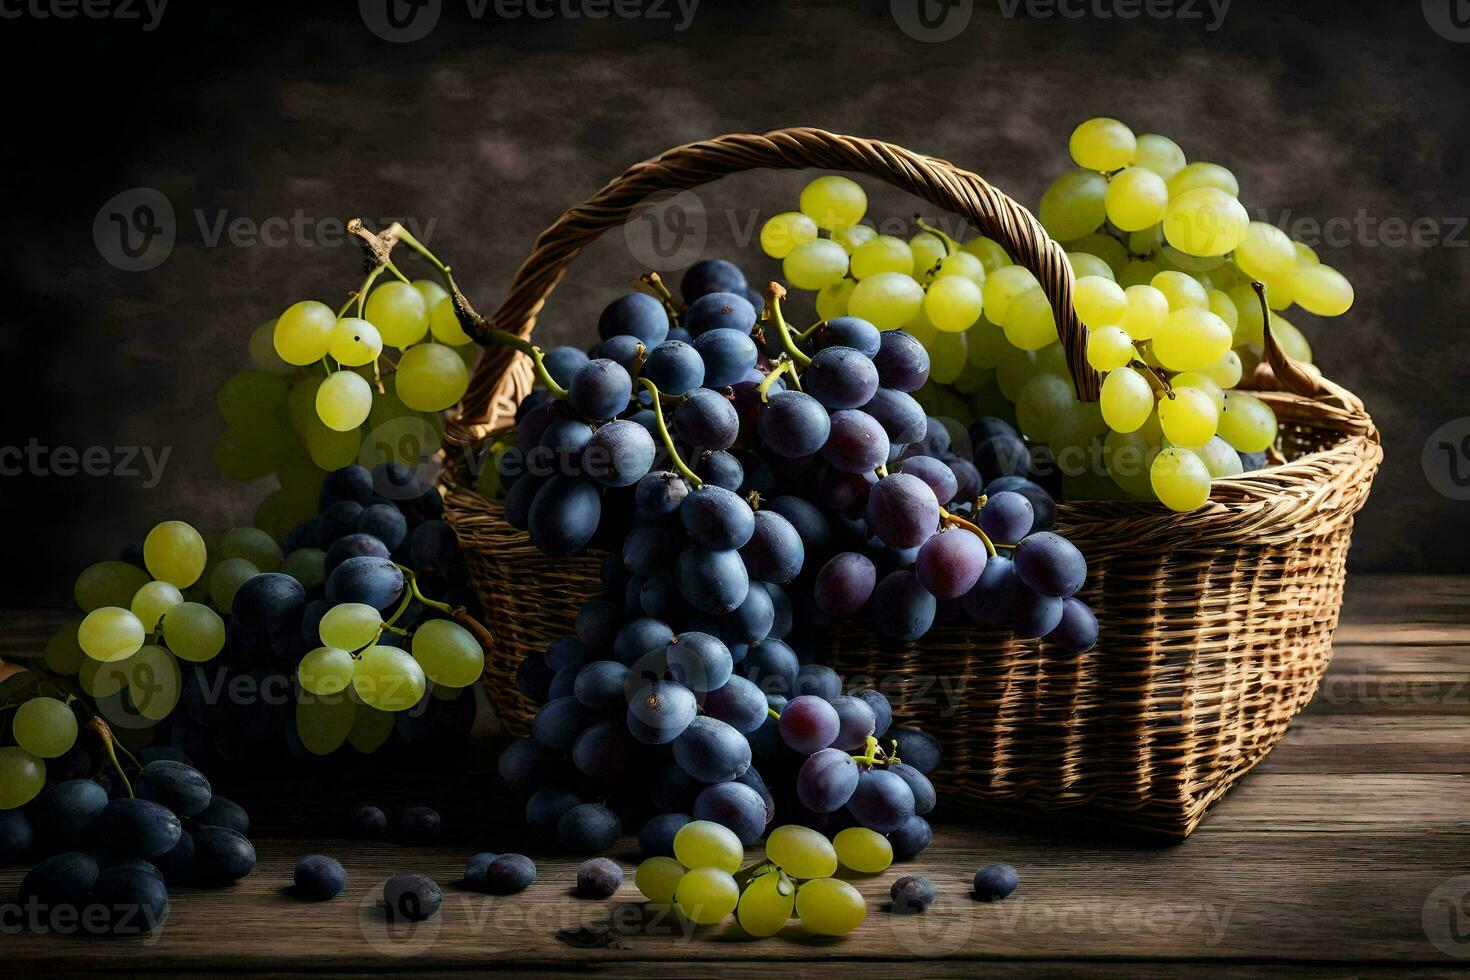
[1167, 262]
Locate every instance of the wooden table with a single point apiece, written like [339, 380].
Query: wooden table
[1346, 851]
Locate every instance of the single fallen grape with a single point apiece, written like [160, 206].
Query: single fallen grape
[911, 894]
[995, 881]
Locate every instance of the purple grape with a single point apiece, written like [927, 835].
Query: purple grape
[792, 424]
[902, 510]
[919, 784]
[706, 420]
[910, 839]
[848, 331]
[826, 781]
[1034, 615]
[711, 276]
[734, 805]
[1077, 631]
[903, 609]
[857, 443]
[600, 390]
[1050, 564]
[900, 415]
[989, 601]
[855, 723]
[995, 881]
[699, 661]
[637, 315]
[739, 704]
[882, 710]
[840, 377]
[882, 801]
[728, 356]
[939, 477]
[1007, 517]
[712, 751]
[717, 310]
[774, 552]
[809, 724]
[818, 680]
[717, 518]
[902, 361]
[599, 878]
[845, 583]
[950, 563]
[659, 712]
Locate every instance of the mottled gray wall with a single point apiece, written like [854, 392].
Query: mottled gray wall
[489, 128]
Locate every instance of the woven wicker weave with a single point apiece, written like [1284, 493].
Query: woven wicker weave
[1216, 624]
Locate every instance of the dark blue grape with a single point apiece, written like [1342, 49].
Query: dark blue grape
[367, 823]
[711, 751]
[845, 583]
[1034, 615]
[917, 748]
[600, 390]
[882, 801]
[995, 881]
[826, 781]
[564, 515]
[518, 500]
[717, 518]
[588, 828]
[659, 494]
[526, 763]
[840, 377]
[818, 680]
[651, 546]
[903, 609]
[902, 361]
[919, 785]
[560, 446]
[135, 899]
[772, 666]
[566, 650]
[699, 661]
[1050, 564]
[857, 443]
[559, 722]
[774, 551]
[1252, 462]
[411, 897]
[722, 469]
[848, 331]
[810, 523]
[60, 881]
[354, 483]
[855, 723]
[659, 596]
[509, 874]
[533, 678]
[62, 811]
[419, 825]
[659, 712]
[909, 840]
[902, 511]
[384, 522]
[137, 828]
[183, 789]
[990, 599]
[1042, 503]
[717, 311]
[966, 477]
[882, 710]
[475, 867]
[623, 350]
[269, 602]
[752, 620]
[674, 367]
[599, 685]
[939, 477]
[599, 878]
[736, 806]
[606, 751]
[714, 581]
[728, 356]
[911, 894]
[338, 519]
[1077, 630]
[377, 582]
[639, 637]
[619, 454]
[221, 856]
[783, 614]
[318, 877]
[636, 315]
[1007, 517]
[711, 276]
[563, 363]
[546, 806]
[17, 834]
[793, 424]
[739, 704]
[178, 865]
[901, 417]
[656, 839]
[707, 420]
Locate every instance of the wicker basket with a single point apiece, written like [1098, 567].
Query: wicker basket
[1216, 625]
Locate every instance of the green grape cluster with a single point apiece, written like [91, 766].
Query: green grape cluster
[1167, 267]
[706, 883]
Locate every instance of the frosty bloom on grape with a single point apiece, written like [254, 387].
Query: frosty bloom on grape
[34, 459]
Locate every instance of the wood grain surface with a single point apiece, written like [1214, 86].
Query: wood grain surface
[1340, 855]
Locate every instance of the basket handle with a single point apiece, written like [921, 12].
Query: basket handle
[936, 181]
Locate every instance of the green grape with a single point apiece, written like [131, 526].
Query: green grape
[657, 878]
[706, 844]
[444, 325]
[1280, 290]
[307, 566]
[1159, 154]
[344, 400]
[989, 252]
[853, 236]
[399, 312]
[1103, 246]
[1042, 400]
[430, 378]
[953, 303]
[830, 907]
[354, 342]
[1223, 307]
[153, 600]
[1220, 459]
[102, 680]
[922, 330]
[1247, 423]
[801, 852]
[832, 300]
[1179, 479]
[22, 776]
[971, 379]
[371, 728]
[250, 451]
[302, 333]
[251, 395]
[1205, 221]
[282, 510]
[884, 253]
[785, 231]
[1099, 301]
[388, 679]
[1201, 381]
[1291, 340]
[1304, 253]
[330, 449]
[63, 653]
[1029, 323]
[1016, 367]
[226, 579]
[962, 264]
[488, 483]
[887, 300]
[1191, 340]
[301, 404]
[815, 264]
[1321, 289]
[1073, 205]
[154, 682]
[834, 202]
[110, 633]
[1137, 273]
[766, 905]
[948, 356]
[350, 626]
[1249, 327]
[1074, 430]
[108, 583]
[862, 850]
[193, 632]
[1109, 347]
[254, 545]
[706, 895]
[324, 723]
[1197, 266]
[1102, 144]
[928, 250]
[1182, 291]
[1148, 307]
[1136, 199]
[1227, 371]
[1129, 456]
[1189, 418]
[262, 350]
[1265, 251]
[985, 342]
[990, 400]
[431, 291]
[1087, 264]
[45, 727]
[449, 653]
[1196, 175]
[1127, 399]
[1003, 286]
[174, 553]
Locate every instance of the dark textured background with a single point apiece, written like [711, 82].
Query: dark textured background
[488, 128]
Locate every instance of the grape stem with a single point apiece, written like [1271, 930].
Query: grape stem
[783, 366]
[663, 434]
[806, 334]
[655, 285]
[109, 745]
[773, 713]
[873, 755]
[1150, 373]
[956, 521]
[775, 292]
[413, 587]
[951, 246]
